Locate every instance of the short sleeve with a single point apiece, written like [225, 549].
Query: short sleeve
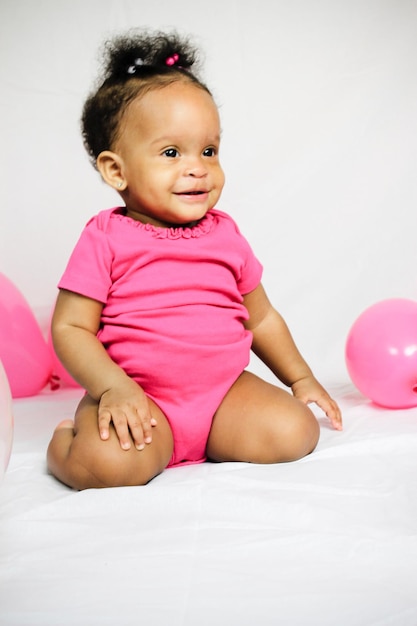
[250, 270]
[88, 271]
[251, 274]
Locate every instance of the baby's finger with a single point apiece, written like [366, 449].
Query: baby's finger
[333, 413]
[141, 430]
[120, 424]
[104, 419]
[336, 419]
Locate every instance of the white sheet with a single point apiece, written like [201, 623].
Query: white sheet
[318, 103]
[330, 539]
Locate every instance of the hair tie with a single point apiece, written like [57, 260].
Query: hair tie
[170, 61]
[136, 63]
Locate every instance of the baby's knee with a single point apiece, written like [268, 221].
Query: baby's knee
[302, 433]
[84, 463]
[291, 435]
[102, 464]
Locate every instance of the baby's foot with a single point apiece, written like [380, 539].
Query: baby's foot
[65, 424]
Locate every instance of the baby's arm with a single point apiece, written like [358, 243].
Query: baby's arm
[273, 343]
[75, 324]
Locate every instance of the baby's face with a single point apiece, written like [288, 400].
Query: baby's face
[168, 144]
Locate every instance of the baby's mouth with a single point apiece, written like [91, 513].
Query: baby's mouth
[192, 193]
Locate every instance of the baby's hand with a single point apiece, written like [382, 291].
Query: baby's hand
[309, 390]
[127, 407]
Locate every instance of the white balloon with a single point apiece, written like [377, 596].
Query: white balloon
[6, 422]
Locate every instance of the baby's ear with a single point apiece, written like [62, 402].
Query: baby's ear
[109, 164]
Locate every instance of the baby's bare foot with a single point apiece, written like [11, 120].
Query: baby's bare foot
[65, 424]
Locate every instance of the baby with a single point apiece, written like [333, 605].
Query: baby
[162, 301]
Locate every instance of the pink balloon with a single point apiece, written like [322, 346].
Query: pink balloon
[6, 422]
[23, 350]
[381, 353]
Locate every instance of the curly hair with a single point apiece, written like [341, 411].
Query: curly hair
[134, 64]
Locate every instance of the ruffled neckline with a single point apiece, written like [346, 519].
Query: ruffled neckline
[203, 227]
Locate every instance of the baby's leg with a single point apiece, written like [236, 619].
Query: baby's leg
[260, 423]
[79, 458]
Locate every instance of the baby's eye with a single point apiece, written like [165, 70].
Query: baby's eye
[209, 152]
[171, 152]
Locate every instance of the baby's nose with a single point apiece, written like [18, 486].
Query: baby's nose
[196, 168]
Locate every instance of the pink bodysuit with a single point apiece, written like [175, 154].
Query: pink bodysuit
[172, 311]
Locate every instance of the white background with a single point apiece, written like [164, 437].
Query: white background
[318, 100]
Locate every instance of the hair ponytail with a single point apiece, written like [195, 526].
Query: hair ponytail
[133, 64]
